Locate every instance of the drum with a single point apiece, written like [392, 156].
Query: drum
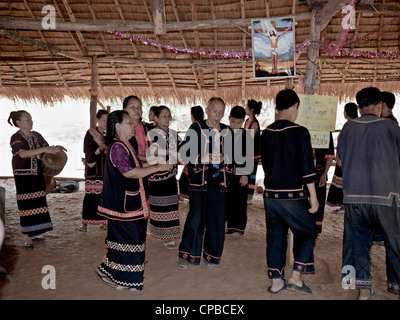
[54, 163]
[50, 184]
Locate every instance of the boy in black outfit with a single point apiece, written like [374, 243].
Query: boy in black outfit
[237, 189]
[287, 160]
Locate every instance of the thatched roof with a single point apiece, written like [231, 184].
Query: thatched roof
[49, 65]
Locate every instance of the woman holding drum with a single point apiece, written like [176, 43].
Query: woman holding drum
[27, 148]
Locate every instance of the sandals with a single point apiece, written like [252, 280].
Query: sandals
[235, 236]
[38, 238]
[28, 241]
[303, 289]
[105, 279]
[83, 228]
[28, 244]
[209, 264]
[372, 295]
[338, 211]
[183, 264]
[285, 283]
[132, 289]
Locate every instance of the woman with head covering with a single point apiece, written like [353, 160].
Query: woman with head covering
[123, 202]
[27, 147]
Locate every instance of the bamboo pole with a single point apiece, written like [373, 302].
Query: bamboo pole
[93, 95]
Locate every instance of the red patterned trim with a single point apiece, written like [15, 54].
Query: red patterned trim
[33, 195]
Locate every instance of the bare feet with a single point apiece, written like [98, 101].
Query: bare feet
[366, 294]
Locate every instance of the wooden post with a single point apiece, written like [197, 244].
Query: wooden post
[3, 204]
[93, 96]
[159, 17]
[313, 56]
[2, 215]
[290, 249]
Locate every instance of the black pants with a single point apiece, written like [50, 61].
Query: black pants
[280, 215]
[206, 219]
[236, 206]
[359, 223]
[321, 197]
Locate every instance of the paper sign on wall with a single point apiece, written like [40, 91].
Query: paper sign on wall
[317, 113]
[320, 139]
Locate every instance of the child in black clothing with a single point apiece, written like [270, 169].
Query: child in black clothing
[237, 189]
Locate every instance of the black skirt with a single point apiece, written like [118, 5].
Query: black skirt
[124, 261]
[32, 204]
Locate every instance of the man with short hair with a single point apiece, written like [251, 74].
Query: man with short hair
[209, 171]
[388, 101]
[288, 164]
[369, 151]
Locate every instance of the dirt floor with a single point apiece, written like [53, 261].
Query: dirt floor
[240, 276]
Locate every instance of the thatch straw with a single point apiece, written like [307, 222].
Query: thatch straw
[192, 77]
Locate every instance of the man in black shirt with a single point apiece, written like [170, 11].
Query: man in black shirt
[388, 101]
[287, 160]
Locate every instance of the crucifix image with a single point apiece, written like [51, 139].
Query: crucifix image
[273, 38]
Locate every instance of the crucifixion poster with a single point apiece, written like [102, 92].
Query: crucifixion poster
[273, 47]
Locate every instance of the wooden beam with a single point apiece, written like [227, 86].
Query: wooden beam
[267, 14]
[93, 96]
[73, 37]
[312, 57]
[78, 33]
[105, 45]
[185, 43]
[90, 25]
[39, 44]
[215, 45]
[159, 17]
[134, 47]
[378, 45]
[45, 42]
[160, 50]
[330, 9]
[382, 8]
[243, 15]
[198, 45]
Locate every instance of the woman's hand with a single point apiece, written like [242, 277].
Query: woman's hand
[164, 167]
[244, 180]
[54, 149]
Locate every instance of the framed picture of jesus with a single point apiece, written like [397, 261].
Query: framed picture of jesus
[273, 47]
